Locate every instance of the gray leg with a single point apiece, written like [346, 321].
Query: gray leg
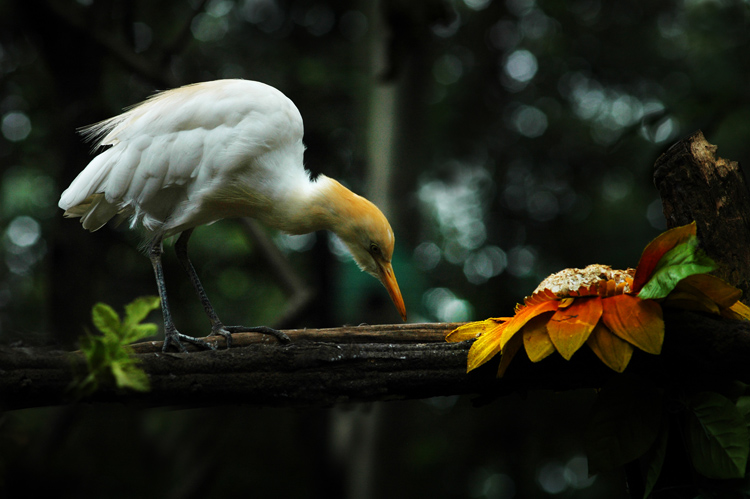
[217, 328]
[171, 335]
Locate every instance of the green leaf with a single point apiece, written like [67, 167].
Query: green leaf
[683, 260]
[138, 331]
[716, 435]
[108, 354]
[128, 375]
[139, 308]
[654, 459]
[624, 424]
[106, 319]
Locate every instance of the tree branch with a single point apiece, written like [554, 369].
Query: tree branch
[324, 367]
[368, 363]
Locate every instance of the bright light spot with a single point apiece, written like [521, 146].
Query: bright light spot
[485, 264]
[16, 126]
[555, 478]
[551, 478]
[458, 209]
[665, 130]
[443, 304]
[521, 65]
[627, 110]
[338, 248]
[301, 242]
[577, 472]
[521, 261]
[23, 231]
[427, 256]
[353, 25]
[529, 121]
[491, 484]
[448, 69]
[219, 8]
[207, 28]
[477, 4]
[23, 244]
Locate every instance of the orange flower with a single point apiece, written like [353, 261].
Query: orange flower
[611, 311]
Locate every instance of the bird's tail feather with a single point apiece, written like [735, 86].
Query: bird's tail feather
[94, 211]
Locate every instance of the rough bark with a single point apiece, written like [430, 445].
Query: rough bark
[697, 185]
[368, 363]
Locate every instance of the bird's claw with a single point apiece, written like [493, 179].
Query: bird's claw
[176, 338]
[220, 330]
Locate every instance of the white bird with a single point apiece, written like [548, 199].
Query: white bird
[220, 149]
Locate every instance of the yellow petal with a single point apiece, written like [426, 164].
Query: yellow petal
[569, 328]
[486, 347]
[613, 351]
[738, 311]
[509, 351]
[535, 338]
[524, 315]
[474, 329]
[566, 302]
[636, 321]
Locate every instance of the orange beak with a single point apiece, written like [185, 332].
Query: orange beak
[388, 278]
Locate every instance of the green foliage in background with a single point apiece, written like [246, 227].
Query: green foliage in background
[108, 355]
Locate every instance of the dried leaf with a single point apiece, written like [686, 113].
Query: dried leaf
[524, 315]
[712, 287]
[636, 321]
[569, 328]
[613, 351]
[486, 347]
[536, 340]
[473, 329]
[738, 311]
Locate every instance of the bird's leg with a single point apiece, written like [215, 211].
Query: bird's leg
[171, 335]
[217, 327]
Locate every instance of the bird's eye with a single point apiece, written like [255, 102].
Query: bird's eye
[374, 249]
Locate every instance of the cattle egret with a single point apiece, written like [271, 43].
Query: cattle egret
[220, 149]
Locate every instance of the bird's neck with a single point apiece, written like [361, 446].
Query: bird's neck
[324, 204]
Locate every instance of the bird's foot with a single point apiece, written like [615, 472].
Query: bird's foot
[228, 330]
[176, 338]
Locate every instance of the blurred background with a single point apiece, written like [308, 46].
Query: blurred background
[505, 140]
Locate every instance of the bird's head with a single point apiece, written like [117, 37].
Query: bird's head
[369, 237]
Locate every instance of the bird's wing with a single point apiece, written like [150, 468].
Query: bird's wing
[180, 141]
